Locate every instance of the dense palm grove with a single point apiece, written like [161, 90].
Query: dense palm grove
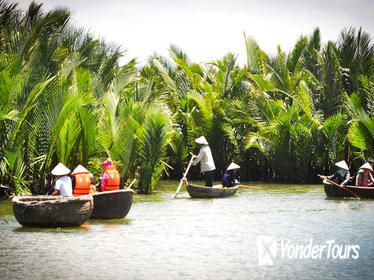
[66, 98]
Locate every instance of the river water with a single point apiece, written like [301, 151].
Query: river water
[184, 238]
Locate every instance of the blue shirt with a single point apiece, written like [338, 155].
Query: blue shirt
[228, 179]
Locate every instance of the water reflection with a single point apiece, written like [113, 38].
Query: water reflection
[166, 238]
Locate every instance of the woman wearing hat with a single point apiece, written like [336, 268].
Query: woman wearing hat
[82, 181]
[342, 175]
[229, 179]
[63, 185]
[364, 177]
[205, 158]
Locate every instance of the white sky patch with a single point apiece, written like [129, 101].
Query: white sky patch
[208, 30]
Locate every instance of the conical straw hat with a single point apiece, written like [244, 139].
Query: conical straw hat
[367, 166]
[79, 169]
[60, 170]
[233, 166]
[342, 164]
[201, 140]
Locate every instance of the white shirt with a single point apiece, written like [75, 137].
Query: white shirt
[64, 186]
[205, 158]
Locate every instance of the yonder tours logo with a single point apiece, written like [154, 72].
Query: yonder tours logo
[267, 249]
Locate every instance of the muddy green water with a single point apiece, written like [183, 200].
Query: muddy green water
[184, 238]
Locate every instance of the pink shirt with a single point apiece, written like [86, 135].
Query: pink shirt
[104, 181]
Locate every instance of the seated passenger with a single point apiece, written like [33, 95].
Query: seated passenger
[364, 177]
[111, 178]
[342, 175]
[229, 178]
[63, 185]
[82, 181]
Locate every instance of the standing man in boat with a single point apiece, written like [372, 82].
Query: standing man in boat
[342, 175]
[63, 185]
[205, 158]
[111, 178]
[229, 178]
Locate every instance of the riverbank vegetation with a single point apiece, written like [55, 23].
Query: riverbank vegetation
[65, 97]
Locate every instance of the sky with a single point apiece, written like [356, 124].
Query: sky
[207, 30]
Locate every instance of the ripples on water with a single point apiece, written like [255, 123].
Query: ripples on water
[166, 238]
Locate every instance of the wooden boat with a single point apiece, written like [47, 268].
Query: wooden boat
[52, 211]
[112, 204]
[208, 192]
[335, 191]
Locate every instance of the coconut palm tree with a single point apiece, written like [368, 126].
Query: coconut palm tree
[157, 133]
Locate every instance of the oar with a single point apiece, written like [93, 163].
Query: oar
[340, 186]
[184, 178]
[248, 187]
[132, 183]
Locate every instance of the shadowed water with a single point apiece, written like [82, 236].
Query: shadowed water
[166, 238]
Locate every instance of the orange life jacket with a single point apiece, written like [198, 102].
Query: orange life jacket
[82, 184]
[114, 179]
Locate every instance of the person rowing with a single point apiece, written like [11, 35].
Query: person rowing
[342, 175]
[205, 158]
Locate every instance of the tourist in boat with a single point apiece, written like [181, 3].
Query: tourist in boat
[63, 185]
[205, 158]
[342, 175]
[82, 181]
[229, 178]
[111, 178]
[364, 177]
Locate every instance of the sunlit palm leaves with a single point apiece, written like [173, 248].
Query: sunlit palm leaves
[157, 134]
[64, 97]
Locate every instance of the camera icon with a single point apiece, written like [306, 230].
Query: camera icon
[266, 250]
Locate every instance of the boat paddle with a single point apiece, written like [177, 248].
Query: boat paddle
[248, 187]
[184, 178]
[340, 186]
[132, 183]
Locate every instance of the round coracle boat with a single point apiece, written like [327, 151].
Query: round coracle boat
[112, 204]
[348, 191]
[196, 191]
[52, 211]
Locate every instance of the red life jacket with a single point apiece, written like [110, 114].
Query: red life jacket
[114, 179]
[82, 184]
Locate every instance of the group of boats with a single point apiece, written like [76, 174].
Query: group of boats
[62, 211]
[57, 211]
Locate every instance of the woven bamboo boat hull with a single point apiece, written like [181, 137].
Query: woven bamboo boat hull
[335, 191]
[112, 204]
[52, 211]
[207, 192]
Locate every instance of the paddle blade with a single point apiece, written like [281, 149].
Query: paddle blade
[178, 189]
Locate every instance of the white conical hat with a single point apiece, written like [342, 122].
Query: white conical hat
[201, 140]
[342, 164]
[367, 166]
[233, 166]
[79, 169]
[60, 170]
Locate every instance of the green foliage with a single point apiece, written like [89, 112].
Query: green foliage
[65, 97]
[157, 134]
